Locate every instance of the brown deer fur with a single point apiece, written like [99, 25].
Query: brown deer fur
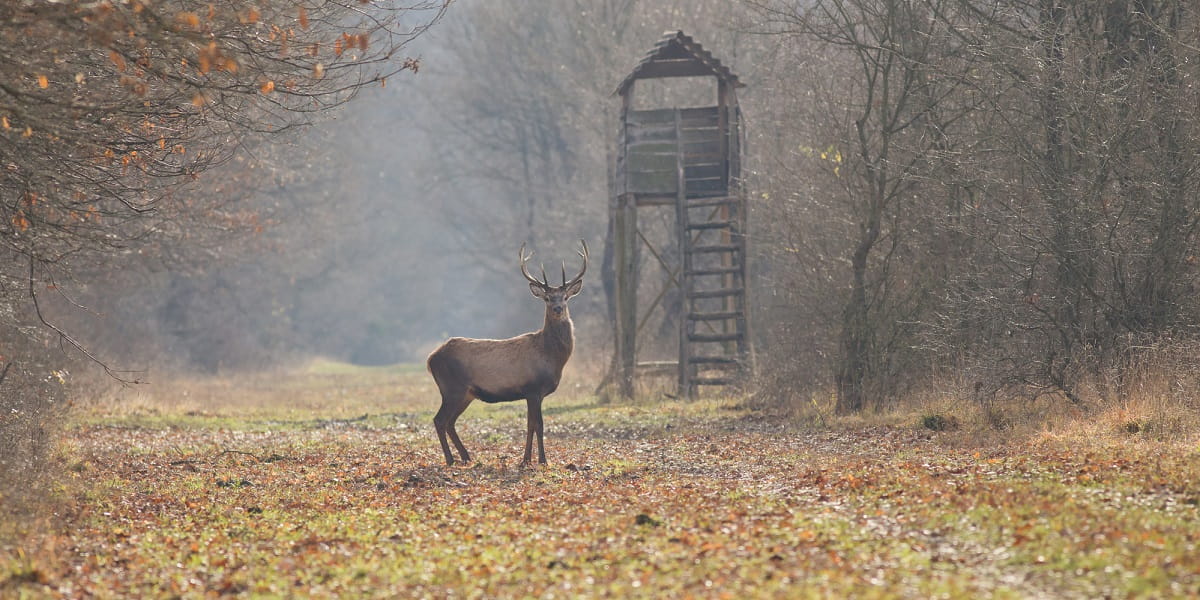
[527, 367]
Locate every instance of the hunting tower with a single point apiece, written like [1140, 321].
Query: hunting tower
[689, 159]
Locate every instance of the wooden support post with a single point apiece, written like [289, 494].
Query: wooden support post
[685, 254]
[625, 256]
[729, 304]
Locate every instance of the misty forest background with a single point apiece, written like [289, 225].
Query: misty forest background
[987, 199]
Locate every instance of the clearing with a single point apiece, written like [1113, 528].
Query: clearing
[330, 482]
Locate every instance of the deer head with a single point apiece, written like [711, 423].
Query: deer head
[555, 297]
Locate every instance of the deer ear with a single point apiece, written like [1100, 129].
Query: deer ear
[537, 290]
[575, 288]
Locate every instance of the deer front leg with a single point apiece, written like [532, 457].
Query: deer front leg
[533, 425]
[538, 431]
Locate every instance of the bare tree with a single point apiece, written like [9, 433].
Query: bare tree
[110, 112]
[1086, 204]
[896, 99]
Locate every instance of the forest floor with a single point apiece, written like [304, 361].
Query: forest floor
[331, 483]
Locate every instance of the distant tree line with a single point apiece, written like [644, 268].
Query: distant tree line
[998, 194]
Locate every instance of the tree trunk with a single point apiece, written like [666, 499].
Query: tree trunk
[853, 367]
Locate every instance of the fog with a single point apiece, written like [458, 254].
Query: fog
[397, 223]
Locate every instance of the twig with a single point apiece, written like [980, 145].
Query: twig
[250, 454]
[63, 336]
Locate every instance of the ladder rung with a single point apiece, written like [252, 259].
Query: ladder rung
[714, 360]
[714, 337]
[717, 248]
[710, 381]
[717, 366]
[711, 225]
[656, 364]
[717, 201]
[718, 271]
[721, 293]
[714, 316]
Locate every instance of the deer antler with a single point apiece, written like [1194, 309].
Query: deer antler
[584, 255]
[525, 271]
[545, 282]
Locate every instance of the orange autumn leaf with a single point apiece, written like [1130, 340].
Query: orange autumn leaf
[267, 87]
[210, 56]
[190, 19]
[43, 82]
[303, 18]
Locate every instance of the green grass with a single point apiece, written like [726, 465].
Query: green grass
[332, 483]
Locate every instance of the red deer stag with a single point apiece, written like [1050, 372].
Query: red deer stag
[525, 367]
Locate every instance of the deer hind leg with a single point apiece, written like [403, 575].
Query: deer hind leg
[442, 423]
[454, 402]
[462, 450]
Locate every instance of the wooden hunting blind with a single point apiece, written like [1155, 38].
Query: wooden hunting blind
[688, 159]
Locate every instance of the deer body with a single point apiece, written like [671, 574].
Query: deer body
[527, 367]
[495, 368]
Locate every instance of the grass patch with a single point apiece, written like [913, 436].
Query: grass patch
[332, 367]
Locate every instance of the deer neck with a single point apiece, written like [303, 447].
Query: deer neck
[558, 336]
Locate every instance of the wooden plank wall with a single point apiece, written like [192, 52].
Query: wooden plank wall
[651, 148]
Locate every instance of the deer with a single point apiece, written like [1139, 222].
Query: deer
[526, 367]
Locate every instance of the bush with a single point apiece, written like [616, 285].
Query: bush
[939, 422]
[32, 400]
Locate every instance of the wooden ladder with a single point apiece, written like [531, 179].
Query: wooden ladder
[713, 344]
